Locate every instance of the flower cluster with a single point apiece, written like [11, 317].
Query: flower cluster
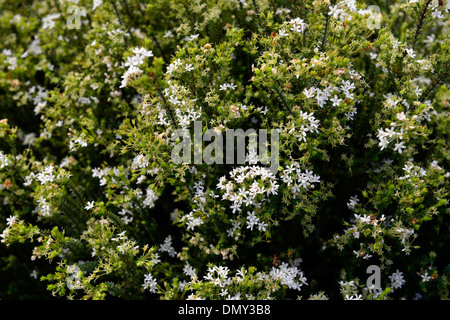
[248, 187]
[226, 287]
[297, 180]
[133, 63]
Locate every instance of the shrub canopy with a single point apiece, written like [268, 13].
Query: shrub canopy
[92, 92]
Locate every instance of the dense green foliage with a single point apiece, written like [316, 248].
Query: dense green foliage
[91, 92]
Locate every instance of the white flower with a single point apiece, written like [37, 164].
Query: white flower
[309, 93]
[437, 14]
[140, 51]
[225, 86]
[355, 297]
[418, 91]
[89, 205]
[298, 25]
[262, 226]
[4, 235]
[189, 270]
[363, 219]
[353, 202]
[189, 67]
[7, 52]
[336, 101]
[194, 297]
[397, 280]
[140, 161]
[290, 276]
[33, 274]
[4, 161]
[168, 34]
[430, 39]
[191, 37]
[401, 116]
[399, 147]
[129, 74]
[97, 3]
[252, 220]
[11, 220]
[46, 175]
[174, 66]
[44, 207]
[12, 62]
[282, 33]
[411, 53]
[408, 167]
[133, 62]
[48, 21]
[167, 247]
[150, 198]
[223, 292]
[425, 277]
[150, 283]
[336, 12]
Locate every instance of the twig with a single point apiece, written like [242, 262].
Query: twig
[324, 39]
[420, 23]
[155, 40]
[167, 108]
[257, 14]
[434, 84]
[121, 22]
[282, 99]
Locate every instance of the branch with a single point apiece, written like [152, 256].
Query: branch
[167, 108]
[420, 23]
[434, 84]
[324, 39]
[282, 98]
[257, 14]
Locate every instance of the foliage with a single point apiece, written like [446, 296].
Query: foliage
[91, 96]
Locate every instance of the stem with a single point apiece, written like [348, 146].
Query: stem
[31, 10]
[190, 15]
[324, 39]
[79, 198]
[282, 99]
[77, 194]
[146, 215]
[58, 7]
[294, 5]
[67, 212]
[257, 13]
[420, 24]
[112, 215]
[166, 107]
[433, 85]
[121, 22]
[155, 40]
[127, 9]
[391, 77]
[191, 84]
[74, 223]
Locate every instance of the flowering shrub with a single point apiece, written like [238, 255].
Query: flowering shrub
[94, 207]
